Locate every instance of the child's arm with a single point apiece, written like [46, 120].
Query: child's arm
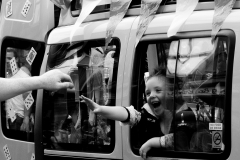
[151, 143]
[111, 112]
[165, 141]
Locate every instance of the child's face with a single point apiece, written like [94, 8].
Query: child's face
[156, 94]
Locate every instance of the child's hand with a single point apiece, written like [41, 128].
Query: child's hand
[144, 149]
[151, 143]
[92, 105]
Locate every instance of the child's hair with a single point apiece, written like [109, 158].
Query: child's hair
[157, 72]
[160, 72]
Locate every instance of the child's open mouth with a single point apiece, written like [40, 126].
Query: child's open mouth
[156, 104]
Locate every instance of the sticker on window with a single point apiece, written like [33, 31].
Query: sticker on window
[217, 139]
[215, 126]
[31, 56]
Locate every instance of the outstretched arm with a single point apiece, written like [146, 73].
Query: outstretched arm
[111, 112]
[52, 80]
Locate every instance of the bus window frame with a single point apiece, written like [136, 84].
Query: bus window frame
[231, 38]
[15, 43]
[109, 149]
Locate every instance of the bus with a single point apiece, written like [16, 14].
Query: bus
[37, 36]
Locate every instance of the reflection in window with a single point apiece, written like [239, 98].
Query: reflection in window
[69, 122]
[20, 62]
[196, 70]
[19, 115]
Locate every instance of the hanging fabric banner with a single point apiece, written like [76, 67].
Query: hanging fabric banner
[87, 8]
[63, 4]
[65, 14]
[147, 13]
[118, 10]
[184, 9]
[222, 10]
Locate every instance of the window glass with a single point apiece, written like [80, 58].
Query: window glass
[68, 123]
[22, 59]
[192, 110]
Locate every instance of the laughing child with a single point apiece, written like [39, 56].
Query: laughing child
[154, 120]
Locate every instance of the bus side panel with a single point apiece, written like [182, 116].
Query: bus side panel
[33, 27]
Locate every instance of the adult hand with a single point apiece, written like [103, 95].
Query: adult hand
[55, 79]
[25, 124]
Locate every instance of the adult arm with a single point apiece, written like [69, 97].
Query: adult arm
[52, 80]
[27, 112]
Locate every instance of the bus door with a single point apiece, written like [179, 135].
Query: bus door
[23, 27]
[67, 129]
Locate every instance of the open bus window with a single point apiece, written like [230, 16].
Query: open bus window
[68, 120]
[20, 62]
[196, 72]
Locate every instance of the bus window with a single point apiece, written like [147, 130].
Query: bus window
[196, 73]
[68, 123]
[22, 59]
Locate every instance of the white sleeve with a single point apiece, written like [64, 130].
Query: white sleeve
[134, 117]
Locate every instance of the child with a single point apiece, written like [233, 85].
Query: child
[154, 120]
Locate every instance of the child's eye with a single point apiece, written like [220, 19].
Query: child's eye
[148, 94]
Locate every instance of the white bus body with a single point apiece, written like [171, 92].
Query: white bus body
[53, 136]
